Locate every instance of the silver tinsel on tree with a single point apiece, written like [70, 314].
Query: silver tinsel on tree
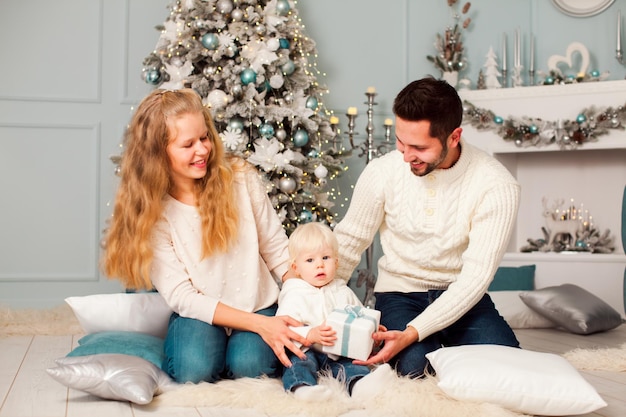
[254, 66]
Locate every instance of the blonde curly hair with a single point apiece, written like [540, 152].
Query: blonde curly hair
[146, 179]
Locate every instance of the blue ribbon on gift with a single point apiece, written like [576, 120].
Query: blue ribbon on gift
[353, 313]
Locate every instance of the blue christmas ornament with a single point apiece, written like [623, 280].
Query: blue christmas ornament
[300, 138]
[581, 118]
[284, 43]
[248, 76]
[288, 67]
[306, 216]
[266, 130]
[533, 129]
[264, 87]
[498, 120]
[282, 7]
[311, 103]
[236, 123]
[313, 153]
[210, 41]
[153, 77]
[595, 73]
[580, 244]
[549, 80]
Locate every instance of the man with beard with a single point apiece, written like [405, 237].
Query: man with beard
[444, 211]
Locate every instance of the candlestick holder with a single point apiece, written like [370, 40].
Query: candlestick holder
[370, 150]
[531, 77]
[351, 125]
[516, 78]
[505, 79]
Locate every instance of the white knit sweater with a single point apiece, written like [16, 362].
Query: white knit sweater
[446, 230]
[245, 278]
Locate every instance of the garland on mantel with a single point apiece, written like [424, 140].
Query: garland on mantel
[528, 131]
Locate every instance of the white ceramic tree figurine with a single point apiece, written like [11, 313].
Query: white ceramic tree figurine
[491, 70]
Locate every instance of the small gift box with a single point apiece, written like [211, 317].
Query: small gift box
[354, 326]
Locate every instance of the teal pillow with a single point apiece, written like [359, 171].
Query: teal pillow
[511, 278]
[143, 345]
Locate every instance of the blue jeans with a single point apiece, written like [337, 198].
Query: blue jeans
[306, 372]
[482, 324]
[197, 351]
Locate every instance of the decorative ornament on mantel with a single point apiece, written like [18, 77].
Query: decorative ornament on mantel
[449, 59]
[526, 131]
[569, 229]
[558, 63]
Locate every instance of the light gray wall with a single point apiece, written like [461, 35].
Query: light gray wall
[70, 76]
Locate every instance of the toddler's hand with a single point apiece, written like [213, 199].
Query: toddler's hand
[322, 334]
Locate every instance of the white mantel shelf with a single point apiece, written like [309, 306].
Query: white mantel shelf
[586, 257]
[552, 102]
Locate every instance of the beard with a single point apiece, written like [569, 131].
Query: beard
[431, 166]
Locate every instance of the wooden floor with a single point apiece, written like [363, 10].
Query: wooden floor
[27, 391]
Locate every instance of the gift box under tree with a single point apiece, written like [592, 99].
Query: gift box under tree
[354, 326]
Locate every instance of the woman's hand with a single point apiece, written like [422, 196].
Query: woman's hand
[276, 333]
[273, 330]
[322, 334]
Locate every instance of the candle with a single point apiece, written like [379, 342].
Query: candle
[518, 49]
[388, 122]
[334, 120]
[352, 111]
[532, 53]
[504, 52]
[619, 31]
[371, 90]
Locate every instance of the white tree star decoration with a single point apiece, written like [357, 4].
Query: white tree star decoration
[253, 64]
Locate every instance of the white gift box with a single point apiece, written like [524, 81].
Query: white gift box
[354, 326]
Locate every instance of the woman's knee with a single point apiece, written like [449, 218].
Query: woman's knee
[249, 356]
[194, 351]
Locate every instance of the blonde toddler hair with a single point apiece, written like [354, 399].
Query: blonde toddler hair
[312, 236]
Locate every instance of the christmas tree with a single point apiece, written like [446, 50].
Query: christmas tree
[254, 66]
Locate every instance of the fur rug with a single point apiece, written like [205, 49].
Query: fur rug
[601, 359]
[405, 397]
[53, 322]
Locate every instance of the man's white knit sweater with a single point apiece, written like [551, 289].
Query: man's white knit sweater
[446, 230]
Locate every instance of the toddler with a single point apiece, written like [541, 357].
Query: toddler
[309, 298]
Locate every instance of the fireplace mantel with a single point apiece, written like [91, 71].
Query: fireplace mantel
[549, 103]
[593, 173]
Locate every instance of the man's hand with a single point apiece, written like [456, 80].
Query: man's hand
[394, 342]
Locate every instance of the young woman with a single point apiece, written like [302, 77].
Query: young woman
[197, 226]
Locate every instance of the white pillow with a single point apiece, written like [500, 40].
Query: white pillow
[112, 376]
[132, 312]
[520, 380]
[517, 313]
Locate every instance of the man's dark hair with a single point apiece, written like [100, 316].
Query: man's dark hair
[433, 100]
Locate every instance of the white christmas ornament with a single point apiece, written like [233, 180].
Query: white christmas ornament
[276, 81]
[321, 171]
[217, 99]
[273, 44]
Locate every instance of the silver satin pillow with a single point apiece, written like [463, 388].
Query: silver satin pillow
[112, 376]
[573, 308]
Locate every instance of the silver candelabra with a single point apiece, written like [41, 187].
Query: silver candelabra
[370, 150]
